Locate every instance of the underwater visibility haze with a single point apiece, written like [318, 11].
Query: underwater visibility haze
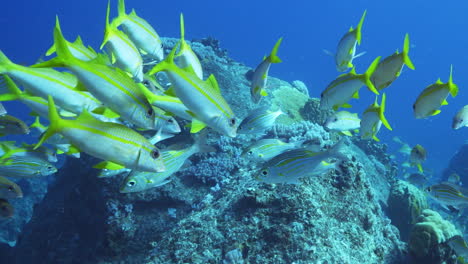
[233, 132]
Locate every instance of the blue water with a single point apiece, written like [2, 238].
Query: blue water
[249, 29]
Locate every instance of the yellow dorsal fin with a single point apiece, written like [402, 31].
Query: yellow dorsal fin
[197, 126]
[213, 82]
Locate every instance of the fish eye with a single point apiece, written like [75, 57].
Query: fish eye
[10, 188]
[321, 95]
[170, 121]
[264, 172]
[150, 112]
[232, 121]
[336, 119]
[250, 152]
[155, 154]
[131, 183]
[414, 106]
[49, 168]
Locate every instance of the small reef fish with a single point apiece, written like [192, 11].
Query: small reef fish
[203, 98]
[458, 244]
[118, 145]
[260, 75]
[417, 179]
[140, 32]
[170, 104]
[25, 167]
[418, 155]
[138, 181]
[37, 104]
[347, 86]
[3, 111]
[124, 54]
[106, 173]
[9, 189]
[461, 118]
[9, 148]
[44, 82]
[266, 149]
[372, 120]
[448, 194]
[346, 49]
[10, 125]
[258, 121]
[112, 87]
[433, 97]
[454, 178]
[186, 58]
[389, 69]
[6, 209]
[343, 122]
[405, 149]
[78, 50]
[291, 166]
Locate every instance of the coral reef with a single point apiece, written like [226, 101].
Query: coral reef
[426, 243]
[405, 205]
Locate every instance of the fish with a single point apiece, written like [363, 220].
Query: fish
[9, 189]
[3, 111]
[258, 120]
[389, 69]
[203, 98]
[124, 53]
[113, 87]
[37, 104]
[260, 75]
[186, 57]
[166, 123]
[448, 194]
[458, 244]
[454, 178]
[346, 49]
[417, 179]
[9, 148]
[63, 86]
[106, 173]
[405, 149]
[25, 166]
[170, 104]
[78, 49]
[433, 97]
[118, 145]
[6, 209]
[10, 125]
[344, 122]
[461, 118]
[266, 149]
[417, 156]
[289, 167]
[138, 181]
[373, 118]
[347, 86]
[140, 32]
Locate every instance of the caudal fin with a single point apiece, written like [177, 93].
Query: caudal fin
[54, 120]
[359, 28]
[368, 74]
[453, 88]
[406, 58]
[382, 111]
[167, 63]
[273, 57]
[5, 63]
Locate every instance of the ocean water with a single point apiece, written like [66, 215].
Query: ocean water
[249, 29]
